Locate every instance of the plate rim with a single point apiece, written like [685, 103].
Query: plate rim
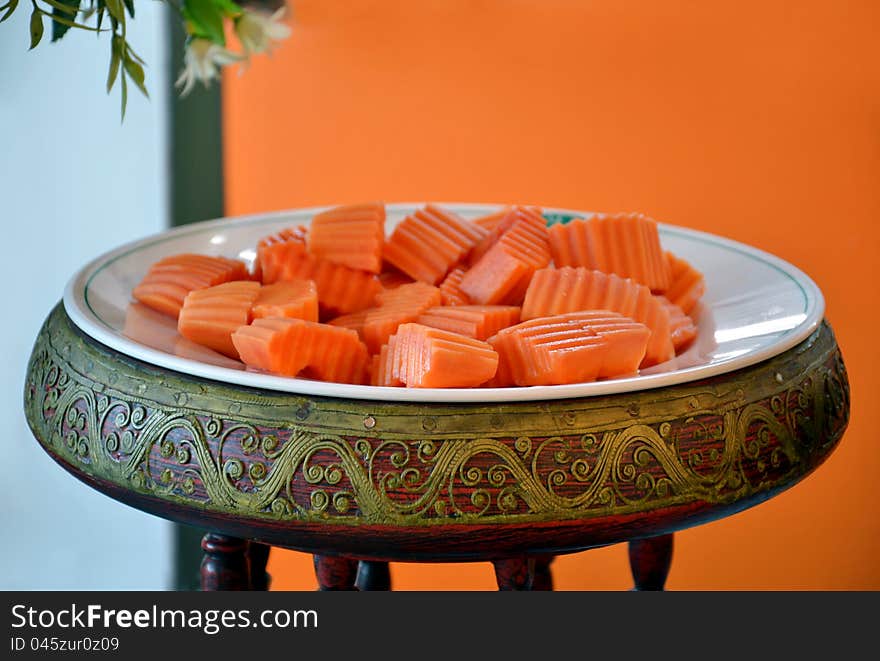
[75, 300]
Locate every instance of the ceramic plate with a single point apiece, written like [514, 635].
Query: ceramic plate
[755, 307]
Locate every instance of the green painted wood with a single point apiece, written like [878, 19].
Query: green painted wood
[297, 470]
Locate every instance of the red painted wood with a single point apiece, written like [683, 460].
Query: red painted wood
[650, 560]
[373, 576]
[514, 573]
[451, 542]
[225, 565]
[258, 557]
[543, 574]
[335, 573]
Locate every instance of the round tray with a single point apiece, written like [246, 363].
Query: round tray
[426, 480]
[756, 306]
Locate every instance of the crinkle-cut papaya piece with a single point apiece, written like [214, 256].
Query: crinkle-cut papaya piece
[682, 328]
[501, 276]
[477, 321]
[391, 278]
[276, 251]
[627, 245]
[541, 356]
[450, 288]
[287, 346]
[413, 293]
[383, 366]
[427, 357]
[354, 320]
[490, 220]
[497, 274]
[395, 307]
[287, 298]
[265, 345]
[427, 243]
[628, 339]
[686, 284]
[209, 316]
[561, 290]
[504, 223]
[341, 289]
[351, 235]
[169, 280]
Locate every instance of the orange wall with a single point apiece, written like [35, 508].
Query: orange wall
[755, 120]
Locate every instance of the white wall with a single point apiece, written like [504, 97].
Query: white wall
[74, 182]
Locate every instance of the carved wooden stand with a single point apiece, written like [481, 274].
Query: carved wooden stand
[359, 484]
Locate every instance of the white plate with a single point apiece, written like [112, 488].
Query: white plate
[755, 307]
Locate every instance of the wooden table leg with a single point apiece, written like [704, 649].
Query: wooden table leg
[373, 576]
[334, 573]
[258, 557]
[515, 573]
[225, 563]
[543, 579]
[650, 559]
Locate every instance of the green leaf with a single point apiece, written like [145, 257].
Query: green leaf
[116, 10]
[115, 60]
[11, 8]
[206, 20]
[74, 24]
[59, 7]
[129, 5]
[63, 6]
[102, 9]
[124, 96]
[137, 58]
[36, 27]
[136, 72]
[229, 8]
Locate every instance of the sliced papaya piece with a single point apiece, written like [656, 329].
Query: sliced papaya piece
[682, 328]
[287, 346]
[490, 220]
[427, 243]
[686, 284]
[450, 288]
[341, 289]
[209, 316]
[537, 355]
[624, 244]
[287, 298]
[351, 235]
[502, 275]
[383, 366]
[397, 306]
[477, 321]
[391, 278]
[507, 218]
[277, 252]
[427, 357]
[561, 290]
[169, 280]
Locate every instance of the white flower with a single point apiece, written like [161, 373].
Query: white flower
[202, 62]
[257, 29]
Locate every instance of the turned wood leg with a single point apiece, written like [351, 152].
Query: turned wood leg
[373, 576]
[225, 563]
[258, 556]
[335, 573]
[515, 573]
[649, 560]
[543, 579]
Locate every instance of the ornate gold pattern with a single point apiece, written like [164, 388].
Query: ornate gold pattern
[234, 450]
